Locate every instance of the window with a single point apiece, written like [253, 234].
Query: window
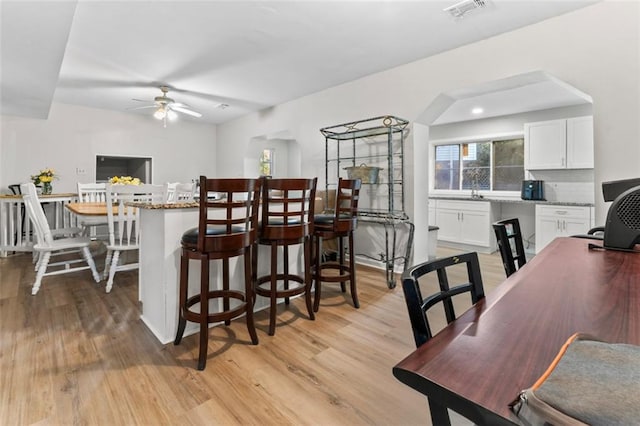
[488, 165]
[267, 166]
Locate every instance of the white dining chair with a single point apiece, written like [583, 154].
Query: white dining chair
[46, 245]
[180, 192]
[124, 229]
[93, 193]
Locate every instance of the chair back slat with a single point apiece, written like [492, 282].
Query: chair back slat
[417, 305]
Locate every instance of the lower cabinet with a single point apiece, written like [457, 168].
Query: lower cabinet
[560, 221]
[465, 222]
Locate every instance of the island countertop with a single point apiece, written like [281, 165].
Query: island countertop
[167, 206]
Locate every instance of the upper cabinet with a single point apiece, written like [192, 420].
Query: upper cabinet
[559, 144]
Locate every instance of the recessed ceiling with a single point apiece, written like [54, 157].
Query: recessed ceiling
[532, 91]
[248, 55]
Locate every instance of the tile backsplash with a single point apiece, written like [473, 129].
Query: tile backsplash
[570, 185]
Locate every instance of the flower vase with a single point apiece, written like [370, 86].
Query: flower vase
[46, 188]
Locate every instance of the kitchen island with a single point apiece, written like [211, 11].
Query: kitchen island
[161, 227]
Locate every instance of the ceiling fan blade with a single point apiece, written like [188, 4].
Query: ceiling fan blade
[141, 107]
[185, 110]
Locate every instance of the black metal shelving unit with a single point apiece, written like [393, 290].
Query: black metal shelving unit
[374, 142]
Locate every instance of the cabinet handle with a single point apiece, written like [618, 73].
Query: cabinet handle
[561, 212]
[462, 215]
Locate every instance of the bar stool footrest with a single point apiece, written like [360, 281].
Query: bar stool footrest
[194, 316]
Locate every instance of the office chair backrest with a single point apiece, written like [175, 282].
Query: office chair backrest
[418, 306]
[622, 228]
[509, 238]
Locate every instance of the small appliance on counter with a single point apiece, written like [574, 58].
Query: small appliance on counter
[532, 190]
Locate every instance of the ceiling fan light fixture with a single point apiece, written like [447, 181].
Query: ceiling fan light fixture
[160, 113]
[172, 115]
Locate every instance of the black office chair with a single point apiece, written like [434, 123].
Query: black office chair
[509, 239]
[418, 306]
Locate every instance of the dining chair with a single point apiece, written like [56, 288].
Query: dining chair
[95, 192]
[92, 192]
[287, 220]
[124, 229]
[180, 192]
[509, 238]
[227, 228]
[46, 245]
[418, 306]
[339, 224]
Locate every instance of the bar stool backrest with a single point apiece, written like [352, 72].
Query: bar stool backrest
[346, 208]
[287, 208]
[228, 223]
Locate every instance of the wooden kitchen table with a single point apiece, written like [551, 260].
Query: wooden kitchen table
[479, 363]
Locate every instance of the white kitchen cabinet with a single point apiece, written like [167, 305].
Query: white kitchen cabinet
[580, 143]
[560, 221]
[465, 222]
[559, 144]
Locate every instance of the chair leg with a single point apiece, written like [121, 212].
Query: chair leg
[112, 270]
[225, 286]
[307, 276]
[341, 260]
[43, 261]
[184, 287]
[352, 272]
[89, 259]
[285, 257]
[248, 288]
[204, 311]
[273, 288]
[317, 274]
[107, 263]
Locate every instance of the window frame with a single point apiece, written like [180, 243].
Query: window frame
[496, 137]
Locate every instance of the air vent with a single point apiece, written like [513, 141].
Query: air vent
[458, 10]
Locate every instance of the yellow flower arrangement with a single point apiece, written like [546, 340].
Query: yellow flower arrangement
[124, 180]
[44, 176]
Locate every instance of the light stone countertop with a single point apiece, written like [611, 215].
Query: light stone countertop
[511, 200]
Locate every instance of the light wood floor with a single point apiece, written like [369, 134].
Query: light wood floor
[75, 355]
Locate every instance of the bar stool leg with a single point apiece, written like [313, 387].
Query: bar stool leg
[307, 276]
[184, 284]
[317, 274]
[225, 287]
[285, 257]
[341, 255]
[273, 288]
[250, 297]
[352, 272]
[204, 311]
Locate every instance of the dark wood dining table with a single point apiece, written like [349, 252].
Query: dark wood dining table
[478, 364]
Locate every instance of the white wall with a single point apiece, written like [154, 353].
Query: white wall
[595, 49]
[72, 136]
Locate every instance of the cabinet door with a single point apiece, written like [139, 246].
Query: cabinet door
[574, 226]
[580, 143]
[475, 228]
[545, 144]
[449, 223]
[547, 228]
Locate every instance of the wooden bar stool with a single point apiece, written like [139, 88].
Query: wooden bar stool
[226, 228]
[340, 224]
[287, 219]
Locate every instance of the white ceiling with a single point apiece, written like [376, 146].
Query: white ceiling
[249, 55]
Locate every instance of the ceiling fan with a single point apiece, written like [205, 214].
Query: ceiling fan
[167, 108]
